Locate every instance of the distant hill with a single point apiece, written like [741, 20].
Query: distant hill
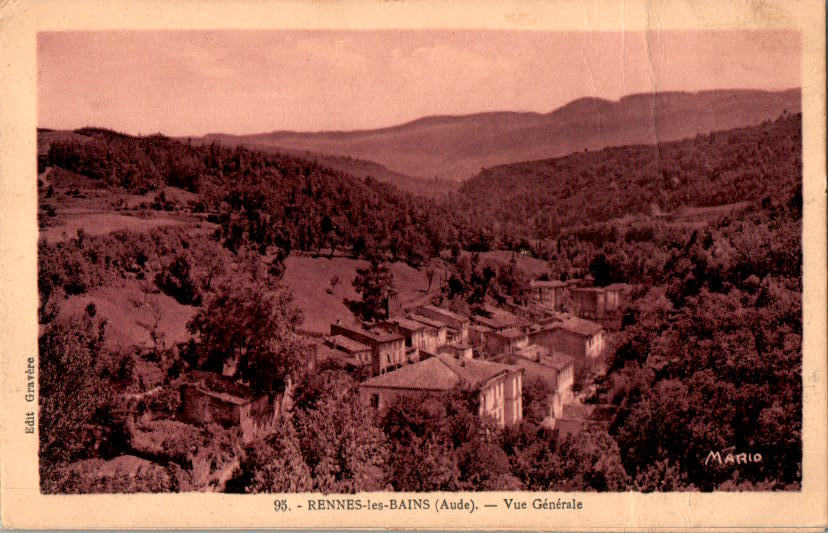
[539, 199]
[45, 138]
[358, 168]
[457, 147]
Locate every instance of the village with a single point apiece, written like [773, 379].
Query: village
[558, 338]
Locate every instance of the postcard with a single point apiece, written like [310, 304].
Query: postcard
[412, 265]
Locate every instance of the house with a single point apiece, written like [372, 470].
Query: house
[457, 350]
[507, 341]
[588, 302]
[210, 398]
[549, 319]
[418, 336]
[387, 349]
[557, 371]
[530, 352]
[440, 329]
[493, 324]
[574, 336]
[617, 295]
[595, 302]
[478, 334]
[551, 292]
[495, 318]
[457, 324]
[349, 351]
[498, 387]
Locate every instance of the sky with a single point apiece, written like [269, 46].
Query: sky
[197, 82]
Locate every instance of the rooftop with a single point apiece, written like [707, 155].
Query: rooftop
[554, 318]
[589, 289]
[580, 326]
[552, 284]
[493, 323]
[440, 373]
[408, 324]
[444, 312]
[459, 346]
[377, 335]
[532, 351]
[427, 321]
[546, 367]
[536, 370]
[338, 357]
[511, 333]
[557, 360]
[349, 345]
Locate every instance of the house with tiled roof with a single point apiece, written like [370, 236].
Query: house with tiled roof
[457, 324]
[498, 386]
[347, 351]
[507, 341]
[554, 369]
[211, 398]
[597, 302]
[573, 336]
[418, 335]
[549, 292]
[494, 318]
[478, 334]
[387, 348]
[439, 327]
[457, 350]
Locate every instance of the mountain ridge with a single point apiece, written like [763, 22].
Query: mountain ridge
[456, 147]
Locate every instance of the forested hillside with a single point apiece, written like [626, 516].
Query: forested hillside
[544, 199]
[564, 210]
[266, 200]
[359, 168]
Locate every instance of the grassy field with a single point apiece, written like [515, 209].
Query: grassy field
[309, 277]
[81, 203]
[130, 316]
[103, 223]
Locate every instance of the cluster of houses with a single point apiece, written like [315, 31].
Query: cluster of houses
[429, 349]
[491, 352]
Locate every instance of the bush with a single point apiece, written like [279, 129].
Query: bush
[175, 280]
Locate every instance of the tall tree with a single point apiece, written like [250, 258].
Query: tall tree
[373, 283]
[276, 465]
[339, 441]
[73, 388]
[252, 326]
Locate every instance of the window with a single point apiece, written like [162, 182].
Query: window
[375, 400]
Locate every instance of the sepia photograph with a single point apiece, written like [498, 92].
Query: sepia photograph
[417, 270]
[346, 261]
